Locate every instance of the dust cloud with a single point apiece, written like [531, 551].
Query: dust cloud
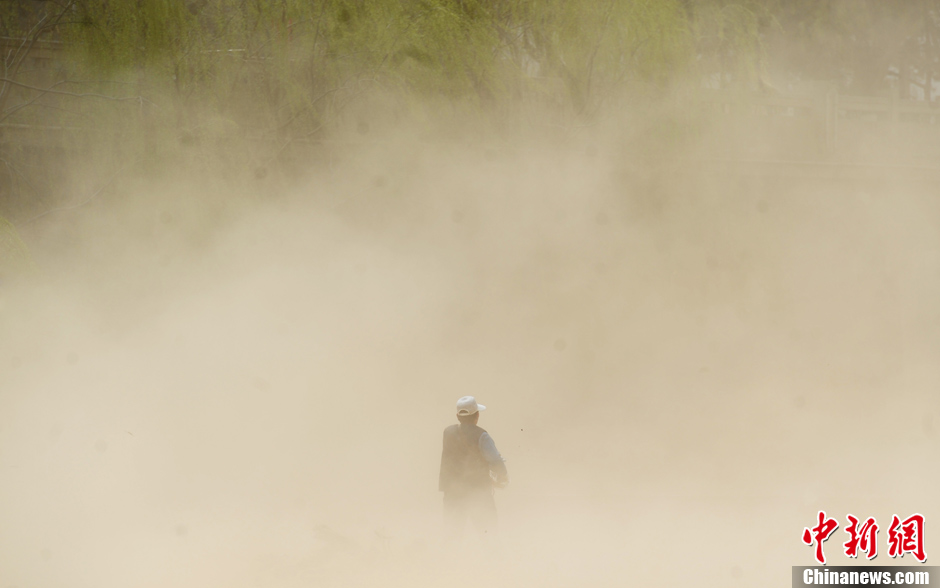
[681, 367]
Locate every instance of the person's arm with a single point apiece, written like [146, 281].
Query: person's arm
[496, 461]
[443, 478]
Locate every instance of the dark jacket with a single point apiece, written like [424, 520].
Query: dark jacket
[463, 466]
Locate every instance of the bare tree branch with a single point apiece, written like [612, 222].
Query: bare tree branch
[11, 111]
[18, 61]
[63, 93]
[84, 202]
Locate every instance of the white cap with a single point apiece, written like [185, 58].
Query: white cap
[468, 405]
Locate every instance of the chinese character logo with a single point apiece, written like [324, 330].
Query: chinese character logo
[818, 534]
[907, 536]
[865, 538]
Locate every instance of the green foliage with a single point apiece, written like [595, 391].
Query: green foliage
[289, 68]
[284, 55]
[855, 42]
[258, 76]
[728, 39]
[14, 255]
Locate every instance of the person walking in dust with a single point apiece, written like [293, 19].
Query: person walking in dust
[471, 467]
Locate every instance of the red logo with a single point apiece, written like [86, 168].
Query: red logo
[819, 534]
[866, 538]
[907, 536]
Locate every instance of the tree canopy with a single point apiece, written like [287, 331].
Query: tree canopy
[158, 74]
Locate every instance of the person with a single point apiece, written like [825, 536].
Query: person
[471, 467]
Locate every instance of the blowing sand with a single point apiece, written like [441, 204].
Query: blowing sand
[681, 368]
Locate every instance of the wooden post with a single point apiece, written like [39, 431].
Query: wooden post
[832, 118]
[893, 104]
[826, 114]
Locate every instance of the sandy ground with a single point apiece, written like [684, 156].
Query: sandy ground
[680, 371]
